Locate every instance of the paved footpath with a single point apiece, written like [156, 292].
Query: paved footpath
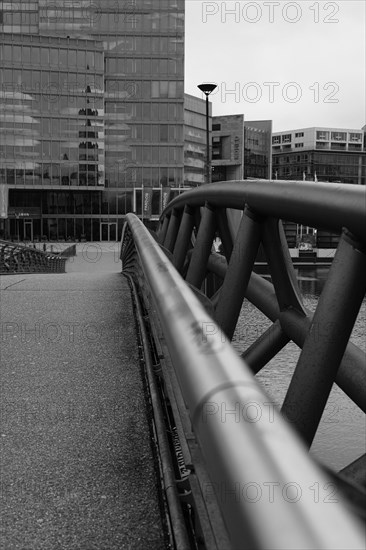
[76, 462]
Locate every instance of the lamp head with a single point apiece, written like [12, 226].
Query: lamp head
[207, 88]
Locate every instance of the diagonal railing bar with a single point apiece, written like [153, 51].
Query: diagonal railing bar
[356, 470]
[259, 291]
[224, 232]
[238, 272]
[281, 266]
[337, 310]
[351, 376]
[163, 229]
[171, 234]
[184, 237]
[202, 249]
[265, 347]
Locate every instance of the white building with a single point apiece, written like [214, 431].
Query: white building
[329, 139]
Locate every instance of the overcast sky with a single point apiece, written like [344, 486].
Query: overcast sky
[299, 63]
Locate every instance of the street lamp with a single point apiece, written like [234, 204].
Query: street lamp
[207, 89]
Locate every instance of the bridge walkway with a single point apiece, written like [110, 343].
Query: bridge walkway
[77, 465]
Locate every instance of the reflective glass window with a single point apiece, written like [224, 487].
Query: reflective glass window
[90, 59]
[17, 52]
[71, 58]
[36, 55]
[146, 111]
[53, 57]
[45, 59]
[81, 58]
[163, 111]
[7, 53]
[163, 132]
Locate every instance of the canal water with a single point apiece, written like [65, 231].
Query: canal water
[341, 434]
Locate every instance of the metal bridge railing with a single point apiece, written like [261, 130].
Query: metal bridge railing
[217, 385]
[15, 258]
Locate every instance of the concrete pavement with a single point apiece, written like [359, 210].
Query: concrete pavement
[77, 469]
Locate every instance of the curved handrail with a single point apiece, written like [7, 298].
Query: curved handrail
[328, 205]
[243, 453]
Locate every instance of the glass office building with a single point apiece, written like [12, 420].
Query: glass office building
[91, 114]
[258, 149]
[322, 154]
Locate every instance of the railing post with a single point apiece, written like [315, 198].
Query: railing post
[163, 229]
[327, 338]
[280, 265]
[238, 273]
[183, 238]
[224, 232]
[265, 347]
[172, 231]
[202, 249]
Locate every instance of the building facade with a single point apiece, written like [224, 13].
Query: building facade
[92, 114]
[323, 154]
[195, 140]
[258, 149]
[241, 149]
[227, 147]
[318, 154]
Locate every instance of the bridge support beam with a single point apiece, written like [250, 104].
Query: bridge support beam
[184, 237]
[201, 252]
[327, 338]
[238, 272]
[172, 231]
[351, 376]
[265, 347]
[224, 232]
[280, 265]
[163, 229]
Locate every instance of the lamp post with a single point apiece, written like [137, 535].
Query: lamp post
[207, 89]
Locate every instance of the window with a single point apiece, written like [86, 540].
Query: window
[299, 134]
[276, 139]
[163, 132]
[322, 135]
[286, 138]
[163, 111]
[26, 54]
[217, 128]
[163, 88]
[297, 145]
[146, 132]
[355, 137]
[53, 57]
[339, 136]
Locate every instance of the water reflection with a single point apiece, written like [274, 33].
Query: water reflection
[341, 434]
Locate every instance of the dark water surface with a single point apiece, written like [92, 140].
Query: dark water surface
[341, 435]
